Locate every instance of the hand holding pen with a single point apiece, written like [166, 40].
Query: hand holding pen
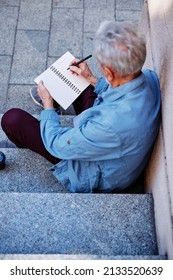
[80, 67]
[80, 61]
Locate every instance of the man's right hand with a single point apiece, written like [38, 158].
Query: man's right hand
[83, 70]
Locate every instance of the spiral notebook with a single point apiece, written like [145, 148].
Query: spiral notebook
[63, 86]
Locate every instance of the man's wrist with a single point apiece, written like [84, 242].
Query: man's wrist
[48, 105]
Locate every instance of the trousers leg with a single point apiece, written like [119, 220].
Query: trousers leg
[24, 131]
[85, 100]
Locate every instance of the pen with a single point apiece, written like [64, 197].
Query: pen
[80, 61]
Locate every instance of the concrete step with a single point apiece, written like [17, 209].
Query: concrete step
[64, 223]
[79, 257]
[26, 171]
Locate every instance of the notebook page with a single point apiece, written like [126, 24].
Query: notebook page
[63, 86]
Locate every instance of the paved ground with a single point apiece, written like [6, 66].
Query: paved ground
[34, 33]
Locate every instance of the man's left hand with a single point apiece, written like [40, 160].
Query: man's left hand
[45, 96]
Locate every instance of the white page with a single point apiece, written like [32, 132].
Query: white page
[58, 88]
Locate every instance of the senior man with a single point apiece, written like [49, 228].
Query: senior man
[117, 122]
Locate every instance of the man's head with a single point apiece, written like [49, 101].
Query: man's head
[119, 48]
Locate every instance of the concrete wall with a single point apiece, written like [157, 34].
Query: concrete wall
[157, 25]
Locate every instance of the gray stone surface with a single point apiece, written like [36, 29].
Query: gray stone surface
[30, 56]
[93, 17]
[68, 4]
[26, 171]
[51, 60]
[9, 2]
[69, 39]
[88, 45]
[35, 15]
[90, 4]
[79, 257]
[129, 5]
[88, 48]
[8, 22]
[5, 64]
[132, 16]
[3, 138]
[19, 97]
[77, 224]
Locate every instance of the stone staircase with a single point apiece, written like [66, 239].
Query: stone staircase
[39, 219]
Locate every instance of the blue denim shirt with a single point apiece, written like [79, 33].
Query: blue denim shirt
[110, 143]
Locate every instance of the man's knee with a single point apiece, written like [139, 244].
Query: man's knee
[11, 118]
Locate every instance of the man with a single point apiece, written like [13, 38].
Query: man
[118, 118]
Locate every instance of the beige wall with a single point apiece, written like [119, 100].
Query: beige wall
[157, 25]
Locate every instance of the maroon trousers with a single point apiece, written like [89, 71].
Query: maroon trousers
[24, 130]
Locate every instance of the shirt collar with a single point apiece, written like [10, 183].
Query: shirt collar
[117, 92]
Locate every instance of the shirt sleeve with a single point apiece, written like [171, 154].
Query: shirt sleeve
[90, 141]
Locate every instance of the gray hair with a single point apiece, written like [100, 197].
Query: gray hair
[120, 46]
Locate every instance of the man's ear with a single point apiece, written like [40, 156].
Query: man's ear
[109, 74]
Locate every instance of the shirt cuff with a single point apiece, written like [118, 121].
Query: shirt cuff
[49, 114]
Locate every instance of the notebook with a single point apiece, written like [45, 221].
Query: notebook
[63, 86]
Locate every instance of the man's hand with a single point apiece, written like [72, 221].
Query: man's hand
[45, 96]
[83, 70]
